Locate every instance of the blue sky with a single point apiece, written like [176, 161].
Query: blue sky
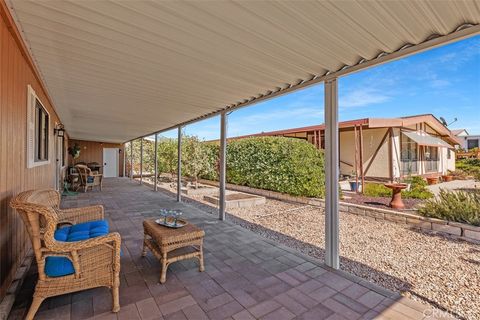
[444, 81]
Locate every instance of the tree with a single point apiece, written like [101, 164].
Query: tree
[195, 158]
[148, 156]
[167, 156]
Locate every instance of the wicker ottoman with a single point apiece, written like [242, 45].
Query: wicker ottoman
[171, 245]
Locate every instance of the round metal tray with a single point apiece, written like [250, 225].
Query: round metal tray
[170, 222]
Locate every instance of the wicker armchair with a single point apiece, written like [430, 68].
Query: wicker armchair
[87, 178]
[96, 261]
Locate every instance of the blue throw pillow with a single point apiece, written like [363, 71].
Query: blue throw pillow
[61, 266]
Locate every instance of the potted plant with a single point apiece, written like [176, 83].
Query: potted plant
[432, 180]
[447, 177]
[74, 151]
[354, 185]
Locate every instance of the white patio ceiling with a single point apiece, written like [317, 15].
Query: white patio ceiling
[123, 69]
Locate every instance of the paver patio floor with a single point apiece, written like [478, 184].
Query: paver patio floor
[246, 276]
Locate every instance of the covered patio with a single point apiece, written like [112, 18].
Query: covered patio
[117, 72]
[246, 276]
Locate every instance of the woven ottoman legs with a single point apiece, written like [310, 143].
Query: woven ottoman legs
[172, 245]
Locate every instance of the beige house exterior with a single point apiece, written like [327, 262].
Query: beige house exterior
[386, 148]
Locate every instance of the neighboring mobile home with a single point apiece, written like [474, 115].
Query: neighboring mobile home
[469, 142]
[460, 132]
[386, 149]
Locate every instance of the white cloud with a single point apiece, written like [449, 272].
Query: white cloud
[439, 83]
[362, 97]
[465, 53]
[274, 120]
[285, 114]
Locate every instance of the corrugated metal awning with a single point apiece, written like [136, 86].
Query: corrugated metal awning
[425, 139]
[117, 70]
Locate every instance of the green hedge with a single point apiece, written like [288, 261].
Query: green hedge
[286, 165]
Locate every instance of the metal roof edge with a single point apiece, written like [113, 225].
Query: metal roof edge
[461, 32]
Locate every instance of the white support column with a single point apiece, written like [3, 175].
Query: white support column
[131, 159]
[141, 160]
[223, 160]
[155, 165]
[332, 258]
[124, 160]
[179, 166]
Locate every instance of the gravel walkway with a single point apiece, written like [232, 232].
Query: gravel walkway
[427, 267]
[454, 185]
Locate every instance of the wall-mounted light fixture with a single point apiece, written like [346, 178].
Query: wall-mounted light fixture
[59, 130]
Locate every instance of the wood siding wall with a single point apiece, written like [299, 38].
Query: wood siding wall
[92, 151]
[16, 72]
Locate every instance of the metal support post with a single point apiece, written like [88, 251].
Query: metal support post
[332, 258]
[179, 166]
[223, 160]
[155, 165]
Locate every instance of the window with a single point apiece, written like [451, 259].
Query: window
[472, 143]
[38, 131]
[449, 154]
[41, 132]
[408, 155]
[63, 151]
[431, 159]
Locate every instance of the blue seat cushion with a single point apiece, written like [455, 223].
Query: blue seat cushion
[61, 266]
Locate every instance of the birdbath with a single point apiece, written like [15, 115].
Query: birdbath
[397, 188]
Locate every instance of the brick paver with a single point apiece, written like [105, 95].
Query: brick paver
[264, 308]
[246, 276]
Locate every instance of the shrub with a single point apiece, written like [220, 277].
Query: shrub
[167, 156]
[477, 176]
[416, 181]
[212, 156]
[458, 174]
[377, 190]
[196, 161]
[148, 156]
[286, 165]
[418, 189]
[469, 166]
[459, 206]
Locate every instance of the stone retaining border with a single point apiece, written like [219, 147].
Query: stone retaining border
[458, 230]
[251, 201]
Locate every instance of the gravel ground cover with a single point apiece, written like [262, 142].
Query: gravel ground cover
[455, 185]
[427, 267]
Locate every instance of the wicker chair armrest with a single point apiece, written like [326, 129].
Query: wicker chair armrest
[49, 253]
[79, 215]
[112, 240]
